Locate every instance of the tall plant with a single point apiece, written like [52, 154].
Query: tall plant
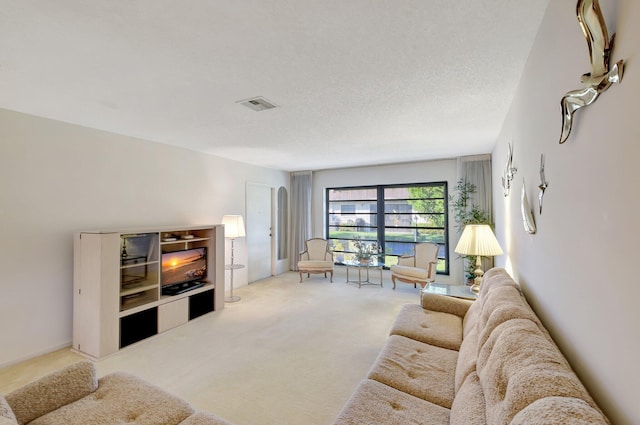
[466, 212]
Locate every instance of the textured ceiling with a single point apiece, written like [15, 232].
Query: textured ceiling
[357, 82]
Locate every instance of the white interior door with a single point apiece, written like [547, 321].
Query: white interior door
[259, 234]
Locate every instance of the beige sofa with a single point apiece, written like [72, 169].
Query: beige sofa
[452, 361]
[74, 396]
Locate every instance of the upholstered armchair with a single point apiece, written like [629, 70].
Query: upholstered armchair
[418, 269]
[316, 258]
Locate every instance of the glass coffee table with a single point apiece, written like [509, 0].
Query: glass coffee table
[363, 271]
[457, 291]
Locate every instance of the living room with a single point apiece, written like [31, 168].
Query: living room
[60, 178]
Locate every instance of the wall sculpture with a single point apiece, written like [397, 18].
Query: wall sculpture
[601, 76]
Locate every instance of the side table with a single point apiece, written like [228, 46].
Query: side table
[232, 298]
[366, 266]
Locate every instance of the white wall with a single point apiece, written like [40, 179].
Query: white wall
[58, 178]
[416, 172]
[579, 270]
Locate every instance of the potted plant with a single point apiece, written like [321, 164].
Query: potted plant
[364, 251]
[466, 212]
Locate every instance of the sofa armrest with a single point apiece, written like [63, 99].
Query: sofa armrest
[53, 391]
[6, 414]
[445, 304]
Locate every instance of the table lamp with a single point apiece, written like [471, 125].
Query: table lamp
[233, 228]
[478, 240]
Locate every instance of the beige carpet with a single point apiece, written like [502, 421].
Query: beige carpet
[287, 353]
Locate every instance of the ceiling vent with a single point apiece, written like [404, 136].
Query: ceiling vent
[257, 103]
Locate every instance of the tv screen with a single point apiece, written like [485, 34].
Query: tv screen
[178, 267]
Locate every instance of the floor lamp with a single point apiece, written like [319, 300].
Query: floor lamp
[478, 240]
[233, 228]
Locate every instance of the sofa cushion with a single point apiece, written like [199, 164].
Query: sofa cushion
[467, 357]
[471, 318]
[52, 391]
[410, 272]
[376, 403]
[559, 410]
[121, 399]
[419, 369]
[496, 277]
[500, 305]
[6, 414]
[469, 405]
[519, 365]
[431, 327]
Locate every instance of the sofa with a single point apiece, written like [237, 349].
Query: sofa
[75, 396]
[461, 362]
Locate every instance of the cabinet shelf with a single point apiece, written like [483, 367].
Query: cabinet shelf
[166, 299]
[179, 241]
[135, 288]
[137, 299]
[132, 265]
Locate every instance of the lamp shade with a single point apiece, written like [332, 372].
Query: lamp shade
[478, 239]
[233, 226]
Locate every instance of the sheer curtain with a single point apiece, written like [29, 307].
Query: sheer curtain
[300, 213]
[476, 170]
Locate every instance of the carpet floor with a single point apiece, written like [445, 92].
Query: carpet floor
[287, 353]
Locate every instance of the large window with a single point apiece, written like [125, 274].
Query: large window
[394, 217]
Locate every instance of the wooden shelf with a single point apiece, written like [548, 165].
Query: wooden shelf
[146, 263]
[138, 299]
[179, 240]
[134, 289]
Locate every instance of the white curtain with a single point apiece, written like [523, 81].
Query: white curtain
[300, 213]
[477, 171]
[283, 223]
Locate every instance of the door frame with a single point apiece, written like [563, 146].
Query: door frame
[248, 213]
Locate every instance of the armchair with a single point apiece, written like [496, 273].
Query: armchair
[420, 268]
[316, 258]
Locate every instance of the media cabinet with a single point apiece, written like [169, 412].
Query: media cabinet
[117, 291]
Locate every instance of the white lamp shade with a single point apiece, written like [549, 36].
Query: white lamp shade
[233, 226]
[478, 239]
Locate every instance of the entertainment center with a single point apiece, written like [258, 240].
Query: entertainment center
[131, 284]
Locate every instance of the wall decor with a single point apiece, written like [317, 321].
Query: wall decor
[543, 183]
[509, 172]
[525, 209]
[601, 77]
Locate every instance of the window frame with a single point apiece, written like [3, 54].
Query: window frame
[379, 217]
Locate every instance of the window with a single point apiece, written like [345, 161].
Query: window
[395, 217]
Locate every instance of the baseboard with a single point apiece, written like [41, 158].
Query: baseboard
[35, 354]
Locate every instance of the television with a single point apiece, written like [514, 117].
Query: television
[183, 270]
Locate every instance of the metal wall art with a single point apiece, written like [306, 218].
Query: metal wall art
[509, 171]
[601, 77]
[527, 216]
[543, 183]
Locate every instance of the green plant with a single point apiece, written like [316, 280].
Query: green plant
[466, 212]
[364, 251]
